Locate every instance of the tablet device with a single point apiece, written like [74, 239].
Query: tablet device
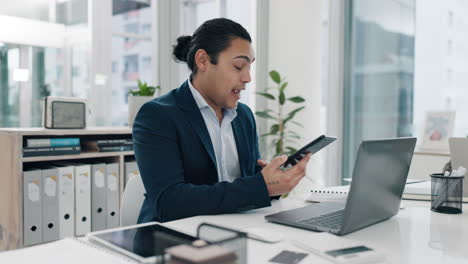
[313, 147]
[144, 243]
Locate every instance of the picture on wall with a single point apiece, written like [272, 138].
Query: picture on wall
[438, 128]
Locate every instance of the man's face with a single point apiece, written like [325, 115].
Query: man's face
[225, 80]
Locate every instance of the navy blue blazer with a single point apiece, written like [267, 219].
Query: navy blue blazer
[177, 162]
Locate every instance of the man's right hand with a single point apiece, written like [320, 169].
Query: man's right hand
[280, 181]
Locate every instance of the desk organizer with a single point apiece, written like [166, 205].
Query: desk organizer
[446, 193]
[228, 238]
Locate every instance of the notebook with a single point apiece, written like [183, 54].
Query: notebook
[418, 191]
[334, 193]
[414, 190]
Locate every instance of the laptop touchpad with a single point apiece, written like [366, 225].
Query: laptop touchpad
[318, 209]
[307, 212]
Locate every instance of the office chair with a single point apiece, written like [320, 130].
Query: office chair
[132, 199]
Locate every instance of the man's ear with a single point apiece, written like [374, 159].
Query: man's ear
[202, 60]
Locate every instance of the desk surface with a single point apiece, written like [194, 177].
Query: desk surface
[414, 235]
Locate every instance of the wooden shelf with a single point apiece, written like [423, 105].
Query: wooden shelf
[12, 163]
[39, 131]
[83, 155]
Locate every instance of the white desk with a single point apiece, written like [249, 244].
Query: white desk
[414, 235]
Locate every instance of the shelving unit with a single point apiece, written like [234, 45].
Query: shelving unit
[12, 163]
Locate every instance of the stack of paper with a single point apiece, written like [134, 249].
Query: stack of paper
[418, 191]
[414, 190]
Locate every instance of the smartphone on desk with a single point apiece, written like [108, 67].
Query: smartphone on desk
[313, 147]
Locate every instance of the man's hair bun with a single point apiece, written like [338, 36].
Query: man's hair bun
[181, 49]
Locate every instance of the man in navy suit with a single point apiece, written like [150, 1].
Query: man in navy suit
[197, 147]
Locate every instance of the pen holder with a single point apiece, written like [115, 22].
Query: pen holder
[446, 193]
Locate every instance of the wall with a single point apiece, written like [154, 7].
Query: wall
[424, 164]
[295, 51]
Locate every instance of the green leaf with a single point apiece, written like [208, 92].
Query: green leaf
[290, 150]
[283, 86]
[264, 114]
[292, 114]
[273, 142]
[267, 95]
[282, 98]
[144, 89]
[296, 99]
[292, 133]
[279, 146]
[275, 76]
[297, 123]
[274, 129]
[294, 136]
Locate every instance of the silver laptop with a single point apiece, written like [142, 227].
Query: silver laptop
[459, 157]
[379, 178]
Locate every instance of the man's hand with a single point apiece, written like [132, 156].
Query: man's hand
[262, 163]
[280, 181]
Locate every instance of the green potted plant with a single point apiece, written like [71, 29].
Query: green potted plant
[282, 137]
[137, 97]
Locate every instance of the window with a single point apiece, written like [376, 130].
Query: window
[406, 58]
[23, 85]
[195, 12]
[379, 78]
[34, 67]
[30, 9]
[46, 79]
[9, 88]
[132, 50]
[441, 78]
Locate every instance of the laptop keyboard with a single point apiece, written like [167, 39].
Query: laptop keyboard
[331, 220]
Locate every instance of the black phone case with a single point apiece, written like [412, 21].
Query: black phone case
[313, 147]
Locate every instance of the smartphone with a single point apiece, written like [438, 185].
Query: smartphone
[313, 147]
[354, 255]
[348, 255]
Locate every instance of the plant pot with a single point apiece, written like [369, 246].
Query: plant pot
[134, 104]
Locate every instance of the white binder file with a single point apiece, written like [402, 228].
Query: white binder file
[131, 169]
[66, 193]
[50, 205]
[98, 197]
[113, 184]
[82, 199]
[32, 207]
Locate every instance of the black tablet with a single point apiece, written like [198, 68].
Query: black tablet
[143, 243]
[313, 147]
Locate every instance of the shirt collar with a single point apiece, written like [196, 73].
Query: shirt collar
[201, 102]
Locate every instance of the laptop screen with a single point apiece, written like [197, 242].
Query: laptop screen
[379, 178]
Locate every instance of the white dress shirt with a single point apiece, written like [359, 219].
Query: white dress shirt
[222, 138]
